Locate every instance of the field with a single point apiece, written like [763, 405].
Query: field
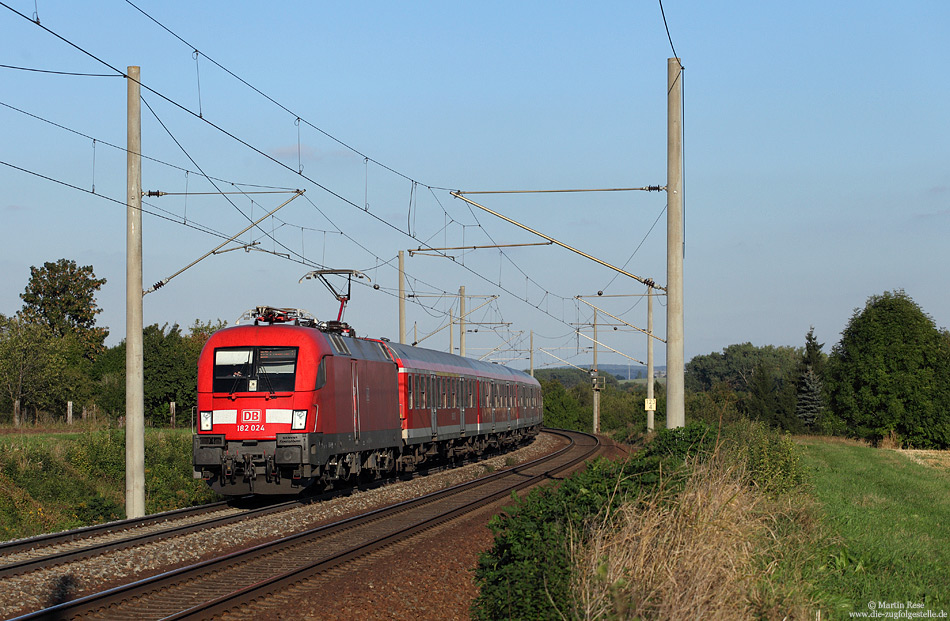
[888, 515]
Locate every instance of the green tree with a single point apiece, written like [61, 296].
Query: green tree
[809, 402]
[890, 374]
[170, 372]
[62, 297]
[108, 380]
[736, 366]
[810, 399]
[561, 408]
[31, 365]
[771, 398]
[170, 366]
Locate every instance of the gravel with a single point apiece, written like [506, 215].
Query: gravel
[429, 579]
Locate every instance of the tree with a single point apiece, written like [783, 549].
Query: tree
[771, 398]
[736, 366]
[62, 297]
[31, 365]
[170, 372]
[561, 408]
[890, 374]
[810, 399]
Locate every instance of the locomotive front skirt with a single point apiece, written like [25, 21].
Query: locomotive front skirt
[281, 407]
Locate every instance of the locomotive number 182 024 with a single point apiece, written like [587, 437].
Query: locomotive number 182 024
[250, 428]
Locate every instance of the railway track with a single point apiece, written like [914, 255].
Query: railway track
[233, 580]
[45, 551]
[58, 549]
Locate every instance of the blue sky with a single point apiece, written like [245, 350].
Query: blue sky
[817, 145]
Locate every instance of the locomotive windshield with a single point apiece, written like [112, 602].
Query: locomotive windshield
[254, 369]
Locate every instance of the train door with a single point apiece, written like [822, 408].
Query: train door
[434, 404]
[464, 390]
[356, 399]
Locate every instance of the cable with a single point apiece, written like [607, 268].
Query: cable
[635, 250]
[274, 101]
[299, 119]
[663, 13]
[124, 150]
[281, 164]
[85, 75]
[202, 228]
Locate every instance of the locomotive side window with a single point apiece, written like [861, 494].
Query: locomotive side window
[321, 374]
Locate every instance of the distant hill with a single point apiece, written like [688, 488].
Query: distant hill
[570, 377]
[631, 371]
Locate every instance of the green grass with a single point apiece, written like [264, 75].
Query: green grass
[63, 480]
[889, 520]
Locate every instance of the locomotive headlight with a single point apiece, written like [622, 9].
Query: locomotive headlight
[205, 421]
[299, 420]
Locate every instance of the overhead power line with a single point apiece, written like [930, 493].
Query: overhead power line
[648, 188]
[645, 281]
[85, 75]
[331, 192]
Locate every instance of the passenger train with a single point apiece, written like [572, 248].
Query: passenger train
[288, 402]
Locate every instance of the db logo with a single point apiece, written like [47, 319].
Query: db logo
[250, 416]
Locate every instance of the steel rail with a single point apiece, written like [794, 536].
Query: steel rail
[175, 585]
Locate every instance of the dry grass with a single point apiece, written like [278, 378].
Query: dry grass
[806, 439]
[688, 556]
[934, 459]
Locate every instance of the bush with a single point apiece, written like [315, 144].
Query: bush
[168, 479]
[772, 461]
[682, 442]
[528, 572]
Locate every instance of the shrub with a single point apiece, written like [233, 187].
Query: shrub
[772, 461]
[682, 442]
[527, 574]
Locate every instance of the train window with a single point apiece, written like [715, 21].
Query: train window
[232, 368]
[321, 374]
[409, 389]
[422, 394]
[252, 369]
[276, 368]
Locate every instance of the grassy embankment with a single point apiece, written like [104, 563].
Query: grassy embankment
[76, 477]
[756, 526]
[890, 520]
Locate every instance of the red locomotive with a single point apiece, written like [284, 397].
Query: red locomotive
[288, 402]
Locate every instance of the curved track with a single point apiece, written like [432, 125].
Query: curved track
[228, 582]
[57, 549]
[44, 551]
